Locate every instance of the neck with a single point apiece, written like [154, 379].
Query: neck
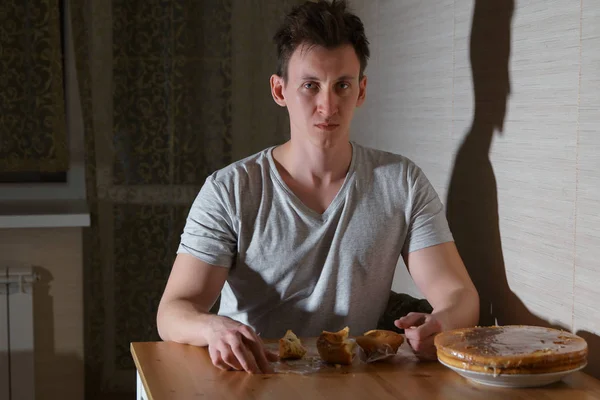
[311, 164]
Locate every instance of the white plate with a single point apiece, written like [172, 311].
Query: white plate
[513, 380]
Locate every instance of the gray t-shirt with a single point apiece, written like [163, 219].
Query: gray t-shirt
[293, 268]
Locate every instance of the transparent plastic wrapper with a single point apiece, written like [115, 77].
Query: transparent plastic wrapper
[311, 363]
[381, 352]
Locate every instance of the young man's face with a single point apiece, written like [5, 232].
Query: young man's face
[321, 93]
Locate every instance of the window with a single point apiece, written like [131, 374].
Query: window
[67, 182]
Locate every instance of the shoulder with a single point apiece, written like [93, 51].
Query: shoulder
[236, 187]
[384, 164]
[243, 172]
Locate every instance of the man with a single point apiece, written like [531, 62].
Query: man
[306, 235]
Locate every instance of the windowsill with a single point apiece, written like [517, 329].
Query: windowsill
[44, 214]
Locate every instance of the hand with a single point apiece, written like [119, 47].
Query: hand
[419, 330]
[236, 346]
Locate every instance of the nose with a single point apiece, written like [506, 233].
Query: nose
[327, 103]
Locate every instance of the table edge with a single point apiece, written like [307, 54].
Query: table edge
[139, 369]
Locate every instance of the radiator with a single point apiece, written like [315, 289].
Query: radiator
[17, 380]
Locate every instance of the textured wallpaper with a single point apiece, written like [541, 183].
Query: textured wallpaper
[499, 103]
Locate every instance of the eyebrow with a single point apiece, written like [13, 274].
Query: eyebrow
[341, 78]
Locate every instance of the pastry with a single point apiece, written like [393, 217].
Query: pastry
[290, 347]
[335, 347]
[379, 342]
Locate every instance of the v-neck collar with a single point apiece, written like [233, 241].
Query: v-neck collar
[337, 200]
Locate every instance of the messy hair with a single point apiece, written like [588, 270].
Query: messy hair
[328, 24]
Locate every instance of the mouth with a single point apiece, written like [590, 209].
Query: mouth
[327, 127]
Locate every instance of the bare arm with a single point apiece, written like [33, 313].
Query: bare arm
[440, 274]
[183, 316]
[192, 289]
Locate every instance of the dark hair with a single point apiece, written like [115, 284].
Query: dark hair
[322, 23]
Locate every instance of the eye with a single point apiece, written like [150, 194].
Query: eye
[344, 85]
[309, 86]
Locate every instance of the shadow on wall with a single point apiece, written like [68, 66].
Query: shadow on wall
[52, 384]
[593, 341]
[472, 203]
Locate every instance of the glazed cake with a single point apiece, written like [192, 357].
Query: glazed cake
[512, 349]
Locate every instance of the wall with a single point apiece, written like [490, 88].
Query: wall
[498, 103]
[257, 122]
[58, 305]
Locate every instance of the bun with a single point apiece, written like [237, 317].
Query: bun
[379, 341]
[290, 347]
[335, 347]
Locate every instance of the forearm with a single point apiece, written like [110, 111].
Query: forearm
[460, 310]
[182, 321]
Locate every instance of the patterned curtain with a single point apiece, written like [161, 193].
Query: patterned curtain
[33, 134]
[157, 83]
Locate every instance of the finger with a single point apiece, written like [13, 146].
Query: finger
[429, 329]
[245, 357]
[411, 319]
[259, 352]
[423, 347]
[230, 359]
[272, 356]
[256, 347]
[216, 359]
[427, 355]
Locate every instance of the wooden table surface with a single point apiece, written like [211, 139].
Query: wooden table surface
[175, 371]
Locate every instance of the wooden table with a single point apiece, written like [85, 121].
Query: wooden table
[174, 371]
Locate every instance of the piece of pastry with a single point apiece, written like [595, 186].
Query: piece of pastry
[380, 342]
[335, 347]
[512, 349]
[290, 347]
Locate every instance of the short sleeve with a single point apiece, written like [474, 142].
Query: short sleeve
[209, 232]
[428, 225]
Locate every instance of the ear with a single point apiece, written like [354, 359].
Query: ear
[277, 85]
[362, 91]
